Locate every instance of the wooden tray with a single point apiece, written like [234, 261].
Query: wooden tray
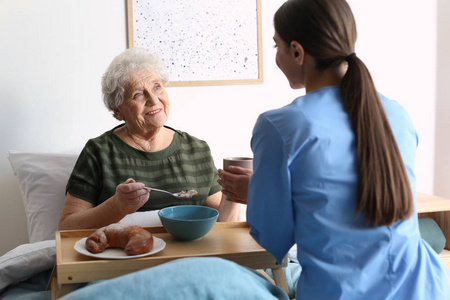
[230, 240]
[428, 203]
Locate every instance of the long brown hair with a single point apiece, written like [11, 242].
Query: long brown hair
[326, 29]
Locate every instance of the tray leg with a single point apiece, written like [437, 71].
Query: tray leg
[64, 290]
[263, 273]
[280, 279]
[53, 285]
[56, 291]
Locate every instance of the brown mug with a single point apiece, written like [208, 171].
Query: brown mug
[244, 162]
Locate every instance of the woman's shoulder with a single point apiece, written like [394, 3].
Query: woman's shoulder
[393, 109]
[299, 111]
[312, 101]
[102, 138]
[390, 103]
[284, 111]
[103, 142]
[186, 138]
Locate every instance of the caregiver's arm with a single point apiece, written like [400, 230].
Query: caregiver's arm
[269, 205]
[228, 211]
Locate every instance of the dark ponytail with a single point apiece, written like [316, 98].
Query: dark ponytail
[384, 192]
[326, 29]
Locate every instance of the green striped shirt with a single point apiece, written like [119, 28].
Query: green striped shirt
[107, 161]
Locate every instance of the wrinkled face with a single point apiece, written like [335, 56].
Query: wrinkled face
[288, 64]
[146, 103]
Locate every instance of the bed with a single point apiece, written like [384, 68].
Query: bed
[25, 270]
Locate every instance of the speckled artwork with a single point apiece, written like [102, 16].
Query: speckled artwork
[200, 40]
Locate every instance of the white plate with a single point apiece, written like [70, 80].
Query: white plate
[117, 253]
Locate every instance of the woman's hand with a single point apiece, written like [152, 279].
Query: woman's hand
[129, 197]
[234, 183]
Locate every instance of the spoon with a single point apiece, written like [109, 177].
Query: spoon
[181, 195]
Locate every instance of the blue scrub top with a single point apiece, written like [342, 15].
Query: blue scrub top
[303, 192]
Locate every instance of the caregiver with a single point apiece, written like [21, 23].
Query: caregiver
[333, 170]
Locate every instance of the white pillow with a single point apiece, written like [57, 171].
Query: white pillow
[26, 261]
[42, 179]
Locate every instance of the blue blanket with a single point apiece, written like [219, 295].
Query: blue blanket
[186, 278]
[32, 288]
[218, 276]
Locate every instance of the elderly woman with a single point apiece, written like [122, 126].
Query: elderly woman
[108, 180]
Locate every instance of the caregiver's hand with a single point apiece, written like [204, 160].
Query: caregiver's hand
[234, 183]
[130, 196]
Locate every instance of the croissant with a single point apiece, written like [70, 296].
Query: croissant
[133, 239]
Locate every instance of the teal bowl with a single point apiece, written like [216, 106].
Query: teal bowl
[188, 222]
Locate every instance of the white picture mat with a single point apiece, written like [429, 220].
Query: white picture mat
[217, 42]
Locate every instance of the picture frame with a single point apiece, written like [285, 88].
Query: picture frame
[200, 41]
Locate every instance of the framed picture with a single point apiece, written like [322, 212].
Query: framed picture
[202, 42]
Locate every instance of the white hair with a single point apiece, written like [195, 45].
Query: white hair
[117, 74]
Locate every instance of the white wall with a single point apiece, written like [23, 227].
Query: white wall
[442, 153]
[53, 53]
